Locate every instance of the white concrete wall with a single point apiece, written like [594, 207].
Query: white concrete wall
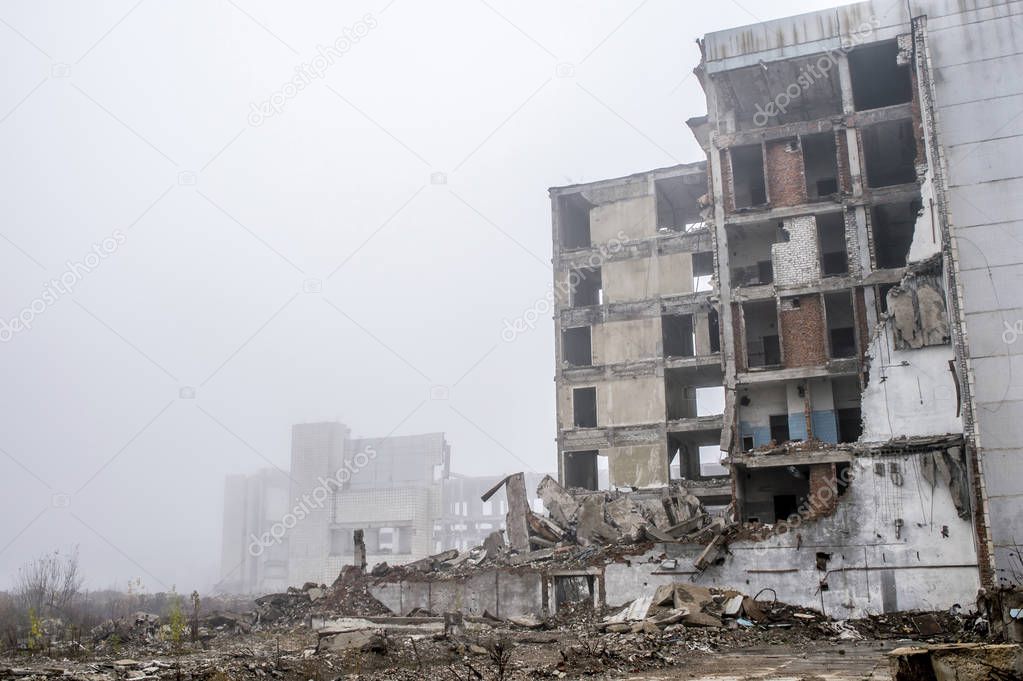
[928, 570]
[635, 218]
[631, 401]
[917, 399]
[639, 466]
[627, 341]
[978, 74]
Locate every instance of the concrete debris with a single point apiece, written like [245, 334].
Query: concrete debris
[956, 662]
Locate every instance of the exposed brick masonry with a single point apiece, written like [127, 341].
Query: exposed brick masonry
[786, 183]
[802, 332]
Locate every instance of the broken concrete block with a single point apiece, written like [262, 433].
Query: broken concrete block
[454, 624]
[956, 661]
[710, 554]
[316, 594]
[670, 617]
[635, 612]
[691, 596]
[645, 627]
[657, 535]
[558, 502]
[544, 528]
[624, 514]
[531, 557]
[664, 595]
[346, 633]
[732, 606]
[686, 527]
[753, 610]
[494, 543]
[591, 526]
[700, 619]
[526, 621]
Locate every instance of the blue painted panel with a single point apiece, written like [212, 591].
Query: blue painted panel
[797, 426]
[761, 434]
[825, 426]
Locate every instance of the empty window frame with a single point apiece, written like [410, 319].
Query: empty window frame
[831, 240]
[690, 459]
[779, 428]
[586, 287]
[762, 345]
[572, 589]
[679, 335]
[576, 346]
[820, 165]
[714, 330]
[584, 407]
[678, 202]
[892, 228]
[574, 221]
[838, 308]
[703, 271]
[846, 395]
[749, 187]
[882, 298]
[690, 392]
[878, 79]
[581, 469]
[890, 153]
[751, 258]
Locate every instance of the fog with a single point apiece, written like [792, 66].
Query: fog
[192, 272]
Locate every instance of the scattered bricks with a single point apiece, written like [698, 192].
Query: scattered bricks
[786, 183]
[802, 332]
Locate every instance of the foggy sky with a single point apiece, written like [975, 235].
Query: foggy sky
[338, 260]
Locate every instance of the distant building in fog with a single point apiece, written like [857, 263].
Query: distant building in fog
[252, 505]
[466, 520]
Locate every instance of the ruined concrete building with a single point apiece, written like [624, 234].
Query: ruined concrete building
[252, 504]
[388, 487]
[466, 520]
[830, 300]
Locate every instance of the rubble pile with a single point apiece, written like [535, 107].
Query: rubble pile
[348, 594]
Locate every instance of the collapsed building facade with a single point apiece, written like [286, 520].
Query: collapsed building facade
[818, 300]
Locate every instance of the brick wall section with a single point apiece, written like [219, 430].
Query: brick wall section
[803, 343]
[984, 561]
[786, 183]
[852, 243]
[918, 126]
[859, 300]
[740, 351]
[844, 177]
[797, 261]
[823, 489]
[869, 220]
